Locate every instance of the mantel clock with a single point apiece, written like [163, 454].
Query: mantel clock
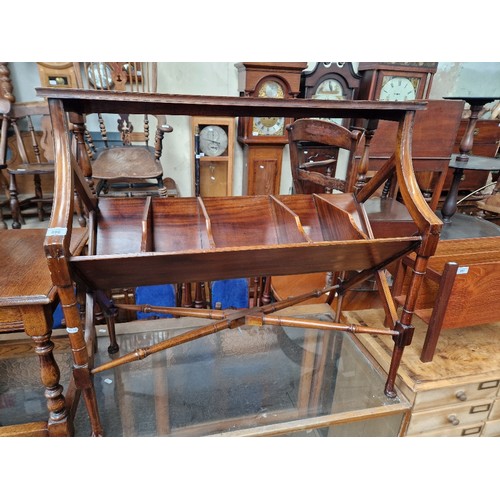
[264, 137]
[396, 81]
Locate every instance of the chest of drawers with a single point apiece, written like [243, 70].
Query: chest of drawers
[458, 393]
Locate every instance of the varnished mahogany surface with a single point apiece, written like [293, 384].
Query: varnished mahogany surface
[87, 101]
[459, 287]
[230, 237]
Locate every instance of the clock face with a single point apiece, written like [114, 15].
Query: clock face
[271, 88]
[329, 89]
[269, 125]
[398, 88]
[213, 140]
[100, 76]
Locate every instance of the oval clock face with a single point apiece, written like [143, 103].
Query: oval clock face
[213, 140]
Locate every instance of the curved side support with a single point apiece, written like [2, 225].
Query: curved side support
[429, 227]
[428, 223]
[57, 251]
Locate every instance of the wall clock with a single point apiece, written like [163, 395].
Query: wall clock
[263, 138]
[398, 81]
[216, 158]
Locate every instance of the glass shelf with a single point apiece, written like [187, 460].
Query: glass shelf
[249, 381]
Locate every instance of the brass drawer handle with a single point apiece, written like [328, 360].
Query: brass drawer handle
[453, 419]
[461, 395]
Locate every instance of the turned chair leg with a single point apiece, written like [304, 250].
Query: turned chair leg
[3, 225]
[15, 209]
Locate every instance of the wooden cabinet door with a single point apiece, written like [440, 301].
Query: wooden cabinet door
[264, 169]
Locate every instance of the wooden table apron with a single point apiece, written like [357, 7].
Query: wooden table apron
[75, 104]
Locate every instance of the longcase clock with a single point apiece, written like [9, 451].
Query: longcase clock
[216, 154]
[327, 81]
[330, 80]
[396, 81]
[264, 138]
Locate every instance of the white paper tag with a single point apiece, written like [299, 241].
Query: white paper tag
[57, 231]
[463, 270]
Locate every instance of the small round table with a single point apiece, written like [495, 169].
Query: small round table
[472, 163]
[464, 161]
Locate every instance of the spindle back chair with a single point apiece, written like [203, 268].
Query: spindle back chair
[27, 139]
[119, 168]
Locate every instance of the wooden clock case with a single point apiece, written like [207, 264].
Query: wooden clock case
[264, 154]
[373, 74]
[216, 172]
[342, 72]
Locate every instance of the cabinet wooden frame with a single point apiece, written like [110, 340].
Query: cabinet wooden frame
[342, 72]
[264, 153]
[373, 75]
[222, 164]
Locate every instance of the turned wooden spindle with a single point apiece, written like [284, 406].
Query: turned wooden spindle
[6, 83]
[467, 141]
[364, 163]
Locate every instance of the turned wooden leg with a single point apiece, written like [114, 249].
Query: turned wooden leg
[450, 204]
[110, 314]
[81, 360]
[80, 212]
[14, 203]
[3, 225]
[39, 197]
[266, 295]
[404, 327]
[38, 325]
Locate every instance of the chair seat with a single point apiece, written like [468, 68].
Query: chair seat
[140, 163]
[32, 168]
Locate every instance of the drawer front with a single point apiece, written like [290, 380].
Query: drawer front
[446, 418]
[470, 430]
[491, 429]
[495, 411]
[455, 394]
